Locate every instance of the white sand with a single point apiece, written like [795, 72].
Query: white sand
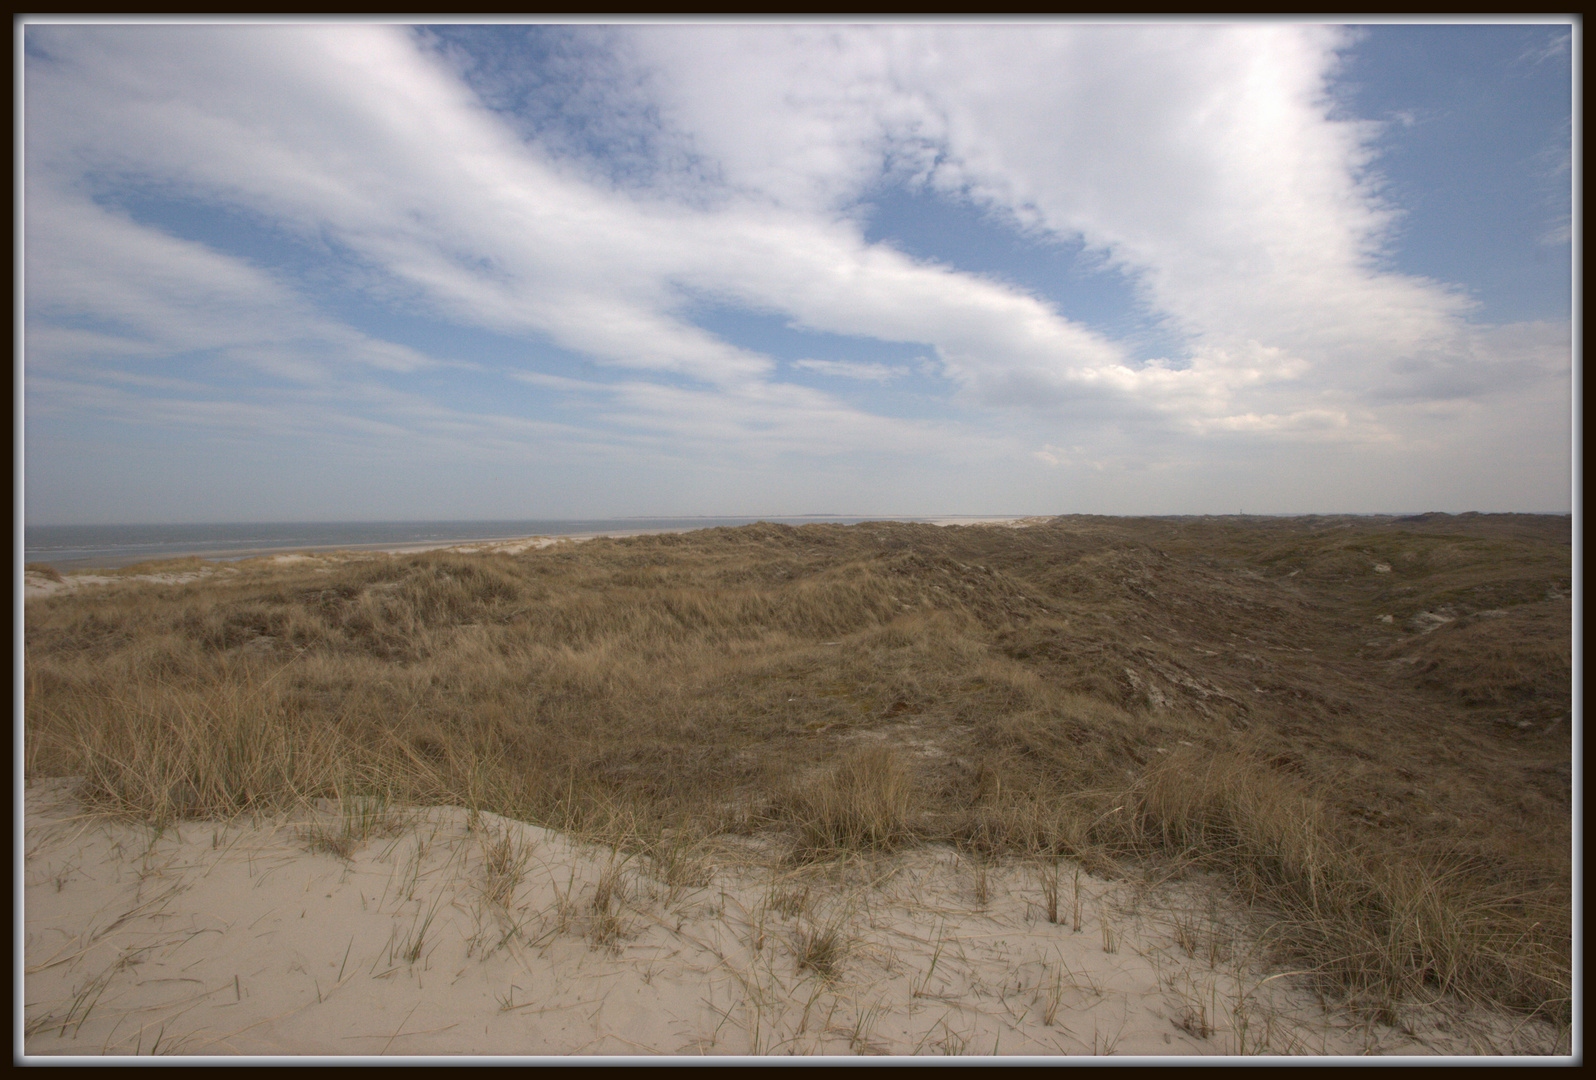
[36, 584]
[236, 939]
[1010, 522]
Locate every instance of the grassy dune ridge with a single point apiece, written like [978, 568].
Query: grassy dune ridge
[1363, 724]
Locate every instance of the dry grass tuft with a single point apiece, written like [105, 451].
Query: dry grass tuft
[361, 817]
[1386, 928]
[823, 947]
[504, 864]
[1049, 874]
[214, 751]
[609, 895]
[865, 802]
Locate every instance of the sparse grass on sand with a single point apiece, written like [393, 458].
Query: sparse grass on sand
[1362, 724]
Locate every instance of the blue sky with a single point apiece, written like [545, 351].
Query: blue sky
[362, 272]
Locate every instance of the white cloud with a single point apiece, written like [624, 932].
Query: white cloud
[1201, 160]
[1305, 420]
[758, 417]
[1554, 47]
[851, 369]
[151, 295]
[432, 193]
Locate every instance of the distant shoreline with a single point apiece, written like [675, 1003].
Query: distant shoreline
[165, 549]
[111, 561]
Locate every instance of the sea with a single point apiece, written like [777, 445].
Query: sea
[83, 547]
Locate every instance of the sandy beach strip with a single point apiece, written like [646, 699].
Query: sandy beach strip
[118, 562]
[78, 573]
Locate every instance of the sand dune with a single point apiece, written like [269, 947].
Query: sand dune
[360, 930]
[440, 935]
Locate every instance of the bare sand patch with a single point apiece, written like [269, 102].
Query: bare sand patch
[36, 584]
[440, 933]
[516, 547]
[1007, 522]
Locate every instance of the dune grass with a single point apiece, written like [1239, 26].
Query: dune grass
[1395, 801]
[865, 802]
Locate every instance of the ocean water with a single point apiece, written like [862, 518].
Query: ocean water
[87, 546]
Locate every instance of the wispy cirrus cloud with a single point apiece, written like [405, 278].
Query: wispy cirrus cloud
[99, 283]
[852, 369]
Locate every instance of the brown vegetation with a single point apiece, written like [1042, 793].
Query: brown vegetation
[1364, 723]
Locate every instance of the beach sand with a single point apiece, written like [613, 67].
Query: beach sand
[37, 583]
[73, 577]
[443, 935]
[508, 545]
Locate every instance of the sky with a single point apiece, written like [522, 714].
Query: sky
[346, 271]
